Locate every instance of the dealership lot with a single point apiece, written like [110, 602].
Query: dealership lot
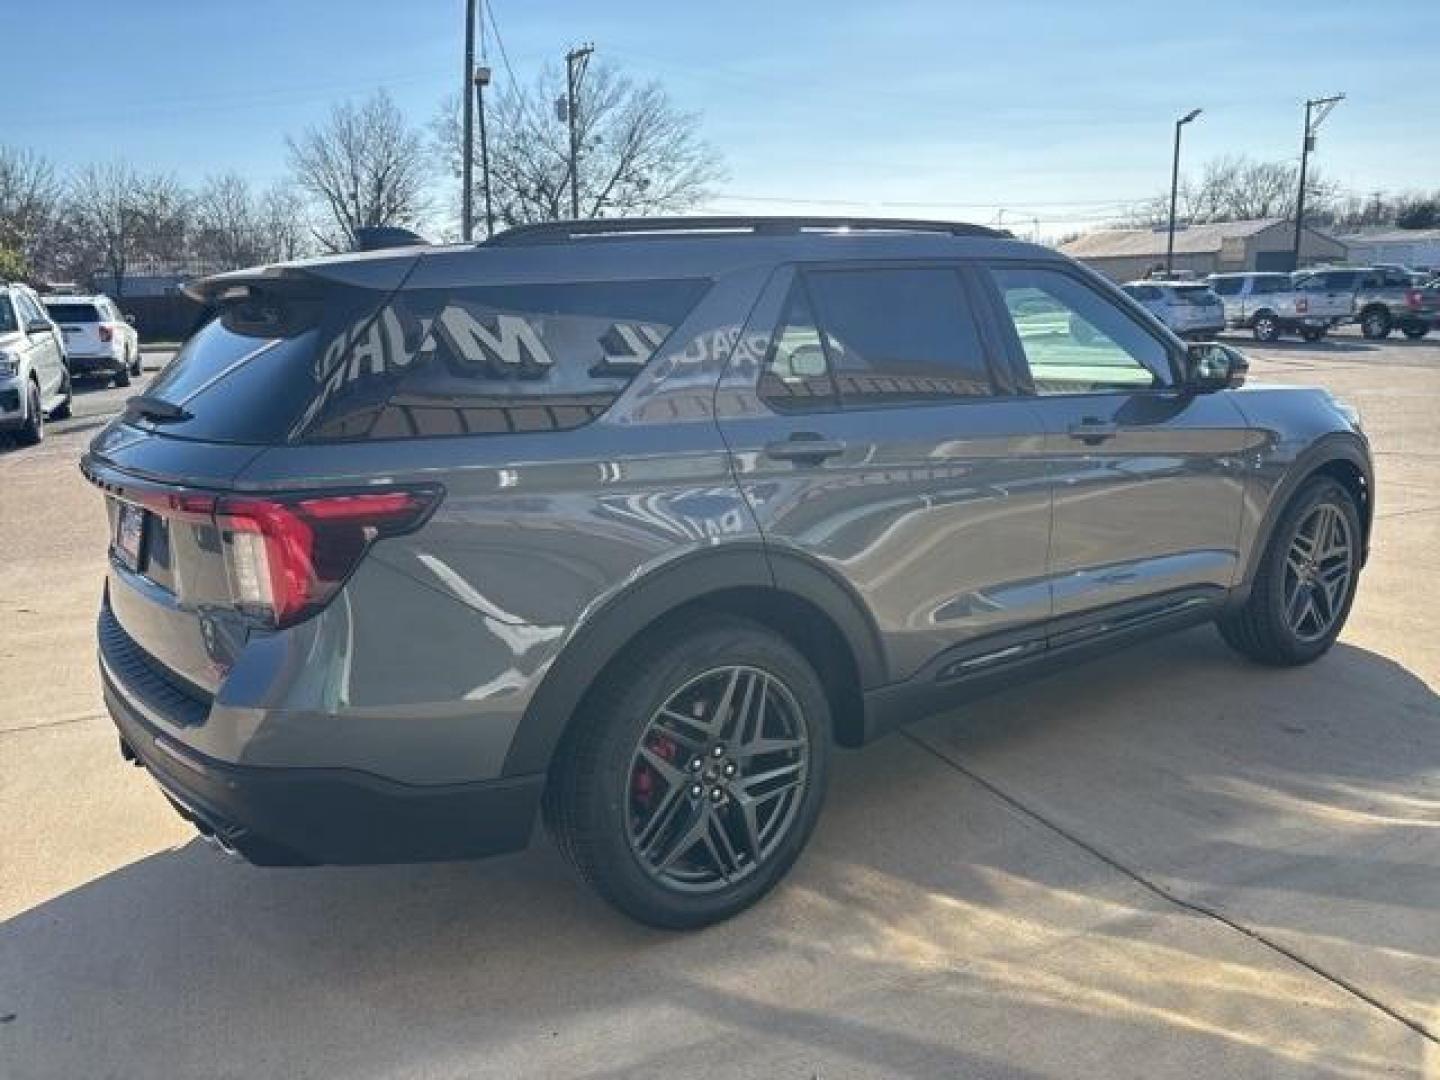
[1165, 864]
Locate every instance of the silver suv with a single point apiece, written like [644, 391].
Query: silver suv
[627, 523]
[34, 374]
[1191, 309]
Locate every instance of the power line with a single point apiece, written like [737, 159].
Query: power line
[500, 44]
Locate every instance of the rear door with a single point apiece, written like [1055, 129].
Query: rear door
[1329, 294]
[1148, 476]
[874, 438]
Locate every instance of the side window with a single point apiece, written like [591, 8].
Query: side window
[899, 335]
[1075, 340]
[1227, 286]
[796, 377]
[493, 359]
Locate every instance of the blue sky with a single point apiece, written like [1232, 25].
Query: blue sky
[1056, 111]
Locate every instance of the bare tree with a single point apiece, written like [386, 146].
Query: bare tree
[118, 217]
[284, 223]
[30, 194]
[1239, 189]
[638, 154]
[228, 231]
[365, 166]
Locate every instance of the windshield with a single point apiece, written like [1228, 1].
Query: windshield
[73, 313]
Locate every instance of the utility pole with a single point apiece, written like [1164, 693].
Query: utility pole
[1316, 109]
[482, 80]
[1175, 191]
[575, 63]
[467, 152]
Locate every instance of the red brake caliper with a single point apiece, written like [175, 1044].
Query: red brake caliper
[642, 783]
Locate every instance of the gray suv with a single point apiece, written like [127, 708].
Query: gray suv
[625, 524]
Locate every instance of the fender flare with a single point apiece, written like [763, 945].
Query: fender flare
[1335, 447]
[690, 578]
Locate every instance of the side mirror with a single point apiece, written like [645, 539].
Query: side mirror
[38, 326]
[1212, 366]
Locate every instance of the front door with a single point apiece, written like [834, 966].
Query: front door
[874, 440]
[1148, 475]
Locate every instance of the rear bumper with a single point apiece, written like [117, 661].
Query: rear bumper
[306, 816]
[85, 365]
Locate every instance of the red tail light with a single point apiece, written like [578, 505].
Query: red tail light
[106, 333]
[1302, 305]
[287, 557]
[1413, 299]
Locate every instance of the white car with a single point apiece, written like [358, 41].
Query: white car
[1191, 309]
[98, 339]
[34, 380]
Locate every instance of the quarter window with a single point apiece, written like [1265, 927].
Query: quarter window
[1075, 340]
[7, 315]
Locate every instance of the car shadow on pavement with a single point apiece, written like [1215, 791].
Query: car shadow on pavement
[932, 929]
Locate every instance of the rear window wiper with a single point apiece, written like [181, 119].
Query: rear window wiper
[155, 408]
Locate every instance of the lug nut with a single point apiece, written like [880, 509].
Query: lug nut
[729, 769]
[696, 790]
[695, 764]
[716, 795]
[718, 751]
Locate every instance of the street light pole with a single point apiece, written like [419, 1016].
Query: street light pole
[467, 152]
[575, 61]
[1174, 191]
[1316, 109]
[482, 80]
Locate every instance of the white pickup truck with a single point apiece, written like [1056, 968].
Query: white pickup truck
[1269, 305]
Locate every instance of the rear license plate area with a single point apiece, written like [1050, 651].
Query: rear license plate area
[130, 536]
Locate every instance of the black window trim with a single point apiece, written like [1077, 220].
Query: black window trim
[1003, 384]
[1128, 307]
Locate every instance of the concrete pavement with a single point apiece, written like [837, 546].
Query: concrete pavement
[1168, 863]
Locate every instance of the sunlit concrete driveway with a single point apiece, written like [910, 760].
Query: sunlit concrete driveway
[1167, 864]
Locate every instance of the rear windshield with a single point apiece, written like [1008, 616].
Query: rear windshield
[73, 312]
[349, 365]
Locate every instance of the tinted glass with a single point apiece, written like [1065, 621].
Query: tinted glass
[7, 315]
[1265, 285]
[1227, 286]
[252, 374]
[74, 313]
[1076, 340]
[796, 376]
[497, 359]
[899, 335]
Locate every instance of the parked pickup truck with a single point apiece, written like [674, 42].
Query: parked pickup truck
[1380, 298]
[1269, 305]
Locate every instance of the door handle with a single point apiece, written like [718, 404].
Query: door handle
[1093, 430]
[804, 448]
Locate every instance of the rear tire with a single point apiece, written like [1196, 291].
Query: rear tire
[137, 365]
[621, 799]
[1298, 603]
[1375, 324]
[1312, 335]
[1266, 327]
[122, 375]
[33, 432]
[1414, 332]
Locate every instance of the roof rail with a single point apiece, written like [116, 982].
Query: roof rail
[558, 232]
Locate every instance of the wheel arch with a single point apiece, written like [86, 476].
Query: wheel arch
[1339, 456]
[803, 602]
